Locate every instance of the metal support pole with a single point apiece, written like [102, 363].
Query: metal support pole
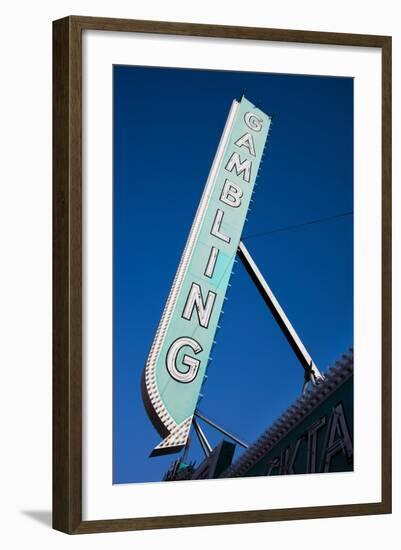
[220, 429]
[186, 450]
[312, 373]
[207, 449]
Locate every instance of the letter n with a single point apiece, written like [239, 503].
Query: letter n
[203, 311]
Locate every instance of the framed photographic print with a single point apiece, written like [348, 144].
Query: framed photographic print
[221, 269]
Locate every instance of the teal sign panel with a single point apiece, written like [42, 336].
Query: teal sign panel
[178, 359]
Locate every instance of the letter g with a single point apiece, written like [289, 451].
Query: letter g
[187, 360]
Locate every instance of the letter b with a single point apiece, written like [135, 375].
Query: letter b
[231, 194]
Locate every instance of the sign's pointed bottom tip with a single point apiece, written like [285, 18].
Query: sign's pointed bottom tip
[175, 441]
[161, 451]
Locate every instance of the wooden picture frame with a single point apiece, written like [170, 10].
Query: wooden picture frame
[67, 273]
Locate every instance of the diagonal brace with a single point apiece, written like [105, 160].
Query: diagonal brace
[312, 373]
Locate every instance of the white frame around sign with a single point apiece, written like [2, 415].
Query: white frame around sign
[101, 499]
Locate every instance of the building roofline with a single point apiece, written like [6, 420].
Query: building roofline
[335, 377]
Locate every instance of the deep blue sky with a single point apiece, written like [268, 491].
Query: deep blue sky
[167, 124]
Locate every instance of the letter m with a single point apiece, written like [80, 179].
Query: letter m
[240, 167]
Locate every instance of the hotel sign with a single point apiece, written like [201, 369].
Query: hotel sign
[177, 363]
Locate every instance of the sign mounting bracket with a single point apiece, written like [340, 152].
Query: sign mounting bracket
[220, 429]
[204, 443]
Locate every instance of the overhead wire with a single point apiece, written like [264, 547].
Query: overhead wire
[296, 226]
